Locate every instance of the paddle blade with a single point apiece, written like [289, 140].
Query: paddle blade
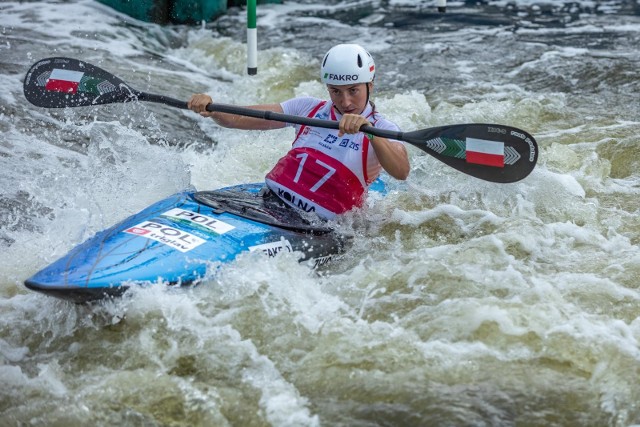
[490, 152]
[68, 82]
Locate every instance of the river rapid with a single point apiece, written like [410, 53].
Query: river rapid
[462, 302]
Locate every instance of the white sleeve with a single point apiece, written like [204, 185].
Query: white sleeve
[299, 106]
[385, 124]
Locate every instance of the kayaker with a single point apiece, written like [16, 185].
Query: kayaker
[328, 171]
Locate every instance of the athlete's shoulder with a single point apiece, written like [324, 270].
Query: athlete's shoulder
[381, 122]
[300, 106]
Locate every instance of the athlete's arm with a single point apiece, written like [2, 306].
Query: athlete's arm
[392, 155]
[199, 102]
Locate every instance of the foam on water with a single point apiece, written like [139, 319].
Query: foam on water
[461, 301]
[80, 25]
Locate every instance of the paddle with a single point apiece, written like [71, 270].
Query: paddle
[491, 152]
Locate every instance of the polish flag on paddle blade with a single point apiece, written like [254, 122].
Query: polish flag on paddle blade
[483, 152]
[64, 81]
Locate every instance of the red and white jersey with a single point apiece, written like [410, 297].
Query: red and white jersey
[324, 173]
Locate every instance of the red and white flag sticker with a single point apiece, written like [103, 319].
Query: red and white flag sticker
[484, 152]
[64, 81]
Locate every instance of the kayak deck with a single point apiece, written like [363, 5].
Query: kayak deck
[177, 240]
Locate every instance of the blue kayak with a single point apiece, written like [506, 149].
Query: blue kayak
[175, 241]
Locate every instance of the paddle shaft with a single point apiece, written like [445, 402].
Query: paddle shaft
[268, 115]
[426, 140]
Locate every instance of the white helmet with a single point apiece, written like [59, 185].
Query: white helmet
[347, 63]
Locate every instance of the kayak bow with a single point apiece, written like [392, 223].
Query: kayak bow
[178, 240]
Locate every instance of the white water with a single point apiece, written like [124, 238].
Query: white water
[462, 303]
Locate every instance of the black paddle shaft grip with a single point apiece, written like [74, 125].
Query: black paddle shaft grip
[298, 120]
[150, 97]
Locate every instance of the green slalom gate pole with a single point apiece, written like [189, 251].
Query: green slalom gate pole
[252, 38]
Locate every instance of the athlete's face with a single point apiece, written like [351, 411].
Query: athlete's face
[350, 99]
